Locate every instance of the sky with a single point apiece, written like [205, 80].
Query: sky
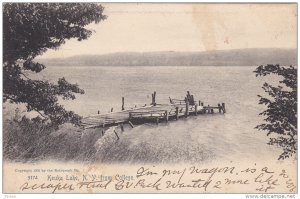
[134, 27]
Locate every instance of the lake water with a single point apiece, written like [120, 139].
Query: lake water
[105, 86]
[229, 137]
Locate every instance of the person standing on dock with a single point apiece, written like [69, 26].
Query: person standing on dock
[190, 98]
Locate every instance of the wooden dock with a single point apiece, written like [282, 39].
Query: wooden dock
[154, 113]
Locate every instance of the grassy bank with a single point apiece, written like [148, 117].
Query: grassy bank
[32, 140]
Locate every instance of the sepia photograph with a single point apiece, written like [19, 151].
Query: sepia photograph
[149, 98]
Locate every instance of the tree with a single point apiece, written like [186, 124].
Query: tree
[281, 113]
[29, 29]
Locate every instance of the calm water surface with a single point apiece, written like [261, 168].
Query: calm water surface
[229, 137]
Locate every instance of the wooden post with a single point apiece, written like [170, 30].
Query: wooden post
[186, 108]
[166, 116]
[103, 128]
[220, 108]
[199, 103]
[177, 112]
[112, 109]
[212, 111]
[157, 120]
[208, 109]
[202, 104]
[196, 109]
[123, 104]
[116, 134]
[223, 106]
[122, 127]
[130, 124]
[153, 98]
[98, 112]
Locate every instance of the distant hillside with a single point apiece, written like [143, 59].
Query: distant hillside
[240, 57]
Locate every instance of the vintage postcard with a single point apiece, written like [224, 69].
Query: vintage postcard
[150, 98]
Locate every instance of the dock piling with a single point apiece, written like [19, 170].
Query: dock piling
[103, 128]
[166, 116]
[116, 134]
[223, 107]
[123, 104]
[186, 107]
[196, 109]
[153, 98]
[130, 124]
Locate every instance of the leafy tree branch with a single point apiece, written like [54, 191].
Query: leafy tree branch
[30, 29]
[280, 117]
